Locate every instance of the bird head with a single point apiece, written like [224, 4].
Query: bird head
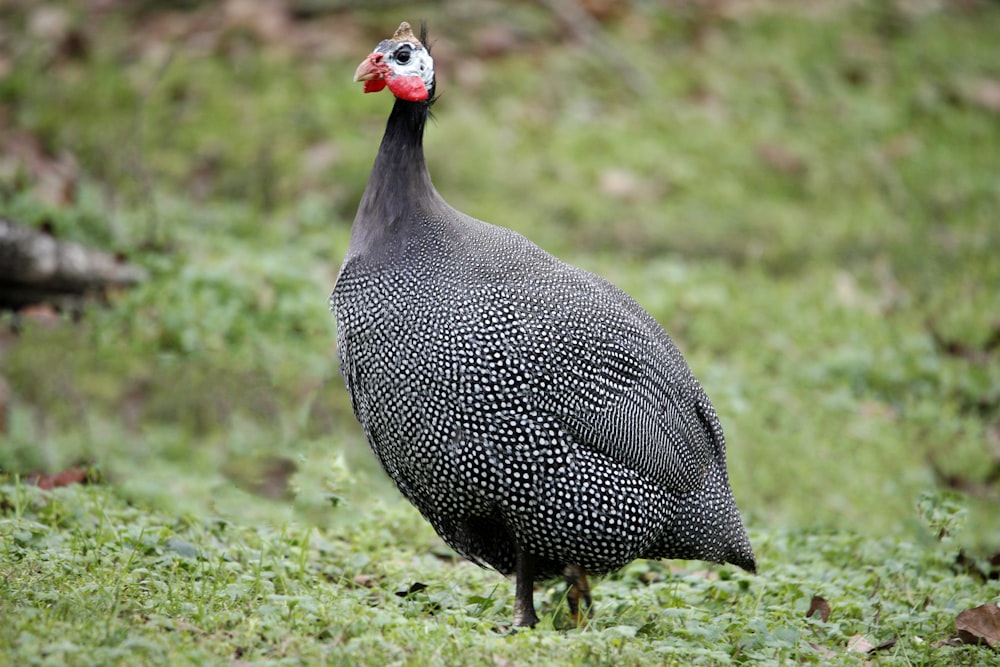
[402, 63]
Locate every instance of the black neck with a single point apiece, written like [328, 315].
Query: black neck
[399, 185]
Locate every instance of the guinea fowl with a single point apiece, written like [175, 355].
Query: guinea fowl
[536, 415]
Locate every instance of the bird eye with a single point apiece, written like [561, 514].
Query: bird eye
[403, 55]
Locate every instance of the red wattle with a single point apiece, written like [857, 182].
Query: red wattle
[374, 85]
[409, 88]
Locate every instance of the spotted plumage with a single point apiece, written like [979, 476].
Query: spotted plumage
[534, 413]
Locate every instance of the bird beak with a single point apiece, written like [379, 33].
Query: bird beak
[371, 71]
[369, 68]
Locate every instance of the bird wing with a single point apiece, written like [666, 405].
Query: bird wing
[619, 385]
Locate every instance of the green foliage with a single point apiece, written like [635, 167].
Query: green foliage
[805, 198]
[117, 584]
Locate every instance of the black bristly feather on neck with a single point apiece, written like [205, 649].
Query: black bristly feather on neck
[399, 187]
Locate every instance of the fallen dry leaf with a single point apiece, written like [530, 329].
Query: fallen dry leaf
[415, 587]
[43, 314]
[781, 159]
[888, 643]
[820, 607]
[64, 478]
[985, 93]
[860, 644]
[979, 625]
[822, 650]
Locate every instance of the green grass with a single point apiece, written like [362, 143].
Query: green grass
[90, 578]
[837, 301]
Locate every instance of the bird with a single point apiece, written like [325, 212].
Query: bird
[536, 415]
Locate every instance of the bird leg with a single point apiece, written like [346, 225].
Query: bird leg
[524, 603]
[579, 589]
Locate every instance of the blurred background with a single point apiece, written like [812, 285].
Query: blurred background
[806, 195]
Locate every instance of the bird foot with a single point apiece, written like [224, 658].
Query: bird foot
[524, 615]
[578, 591]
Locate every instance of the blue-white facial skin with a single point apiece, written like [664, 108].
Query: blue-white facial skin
[408, 59]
